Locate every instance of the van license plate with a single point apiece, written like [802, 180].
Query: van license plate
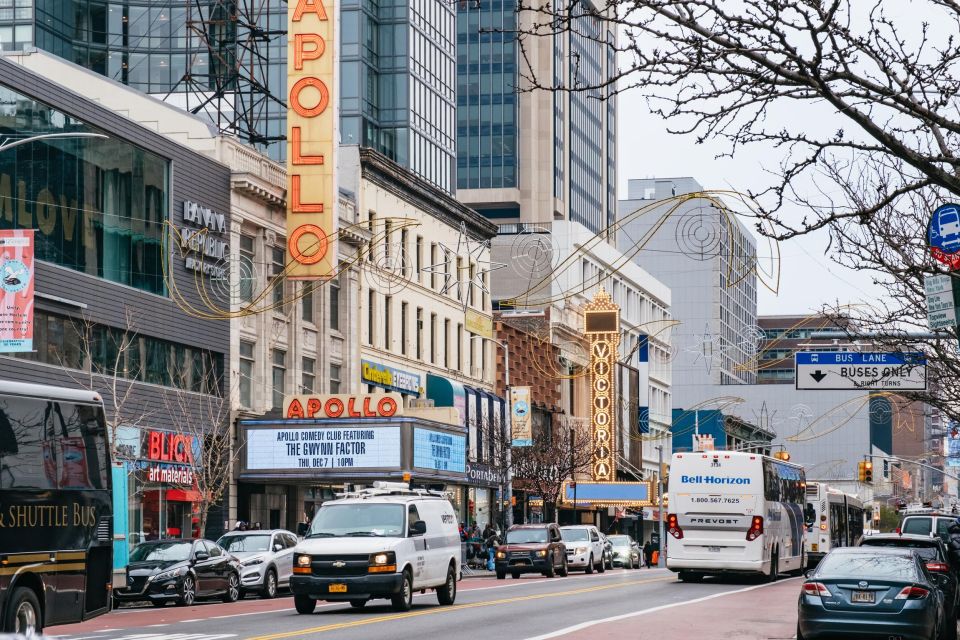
[863, 596]
[714, 549]
[342, 588]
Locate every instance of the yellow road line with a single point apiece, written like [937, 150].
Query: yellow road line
[438, 610]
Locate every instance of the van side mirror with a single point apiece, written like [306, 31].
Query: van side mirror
[808, 573]
[418, 528]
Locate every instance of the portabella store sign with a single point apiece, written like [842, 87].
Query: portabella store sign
[484, 475]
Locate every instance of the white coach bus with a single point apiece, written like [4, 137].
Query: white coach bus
[834, 519]
[734, 512]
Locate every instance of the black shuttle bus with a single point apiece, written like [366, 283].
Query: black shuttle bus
[56, 529]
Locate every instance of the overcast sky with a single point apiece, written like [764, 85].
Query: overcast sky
[808, 277]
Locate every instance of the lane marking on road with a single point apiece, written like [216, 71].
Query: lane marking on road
[590, 623]
[454, 608]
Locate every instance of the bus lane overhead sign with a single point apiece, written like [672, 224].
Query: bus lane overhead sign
[844, 370]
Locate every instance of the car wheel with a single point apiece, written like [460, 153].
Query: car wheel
[233, 588]
[358, 604]
[551, 570]
[304, 604]
[603, 565]
[23, 613]
[688, 576]
[448, 592]
[501, 575]
[799, 634]
[564, 570]
[589, 568]
[404, 600]
[270, 585]
[188, 592]
[515, 575]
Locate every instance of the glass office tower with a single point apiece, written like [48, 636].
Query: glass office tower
[226, 60]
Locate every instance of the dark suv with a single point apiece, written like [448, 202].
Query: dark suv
[532, 548]
[933, 552]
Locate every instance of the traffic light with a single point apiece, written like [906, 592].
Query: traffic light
[868, 471]
[862, 471]
[782, 455]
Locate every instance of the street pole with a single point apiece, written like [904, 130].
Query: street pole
[663, 541]
[573, 477]
[508, 492]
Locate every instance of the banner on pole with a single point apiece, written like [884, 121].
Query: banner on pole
[16, 290]
[521, 424]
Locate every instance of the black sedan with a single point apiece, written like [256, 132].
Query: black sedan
[934, 554]
[880, 592]
[181, 571]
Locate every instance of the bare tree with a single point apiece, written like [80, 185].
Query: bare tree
[858, 101]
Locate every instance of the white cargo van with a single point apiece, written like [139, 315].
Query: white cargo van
[383, 542]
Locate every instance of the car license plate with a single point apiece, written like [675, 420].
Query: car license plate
[714, 549]
[863, 596]
[337, 588]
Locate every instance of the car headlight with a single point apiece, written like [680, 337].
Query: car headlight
[173, 573]
[542, 554]
[501, 555]
[384, 562]
[580, 550]
[249, 562]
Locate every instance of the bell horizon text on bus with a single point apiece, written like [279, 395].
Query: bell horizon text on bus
[56, 510]
[734, 512]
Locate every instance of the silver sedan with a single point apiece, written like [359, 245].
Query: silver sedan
[266, 558]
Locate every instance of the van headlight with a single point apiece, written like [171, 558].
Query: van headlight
[542, 553]
[384, 562]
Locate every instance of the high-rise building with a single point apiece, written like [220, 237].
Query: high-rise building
[535, 156]
[227, 59]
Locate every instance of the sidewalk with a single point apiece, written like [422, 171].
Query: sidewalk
[755, 612]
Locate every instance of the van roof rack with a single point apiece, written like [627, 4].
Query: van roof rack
[382, 488]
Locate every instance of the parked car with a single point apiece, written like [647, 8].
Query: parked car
[924, 524]
[584, 547]
[532, 548]
[266, 559]
[933, 552]
[871, 592]
[626, 552]
[384, 542]
[180, 570]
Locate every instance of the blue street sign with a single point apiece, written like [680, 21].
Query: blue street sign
[860, 359]
[943, 232]
[836, 370]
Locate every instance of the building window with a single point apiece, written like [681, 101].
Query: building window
[387, 239]
[246, 281]
[371, 316]
[419, 333]
[334, 314]
[334, 378]
[279, 373]
[472, 360]
[446, 344]
[433, 265]
[277, 279]
[433, 338]
[387, 320]
[309, 375]
[119, 190]
[246, 373]
[418, 256]
[404, 258]
[306, 301]
[460, 347]
[403, 328]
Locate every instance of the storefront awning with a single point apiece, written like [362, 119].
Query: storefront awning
[183, 495]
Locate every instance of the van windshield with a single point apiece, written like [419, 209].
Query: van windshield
[357, 519]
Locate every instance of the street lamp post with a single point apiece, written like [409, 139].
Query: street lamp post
[506, 495]
[663, 541]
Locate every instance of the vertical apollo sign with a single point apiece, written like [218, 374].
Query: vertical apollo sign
[602, 329]
[311, 139]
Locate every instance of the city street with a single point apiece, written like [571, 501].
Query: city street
[642, 604]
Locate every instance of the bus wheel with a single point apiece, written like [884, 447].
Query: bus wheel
[23, 612]
[689, 576]
[774, 567]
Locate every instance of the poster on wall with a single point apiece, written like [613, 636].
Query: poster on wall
[521, 425]
[16, 290]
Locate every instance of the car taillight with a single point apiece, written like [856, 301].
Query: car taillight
[673, 526]
[816, 589]
[912, 593]
[939, 567]
[756, 528]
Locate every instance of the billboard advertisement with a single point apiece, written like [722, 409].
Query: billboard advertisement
[16, 290]
[521, 423]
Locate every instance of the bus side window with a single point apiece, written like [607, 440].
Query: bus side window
[23, 442]
[81, 443]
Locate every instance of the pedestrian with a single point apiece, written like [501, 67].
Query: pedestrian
[648, 553]
[490, 541]
[953, 544]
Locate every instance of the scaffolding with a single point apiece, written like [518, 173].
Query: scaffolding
[228, 75]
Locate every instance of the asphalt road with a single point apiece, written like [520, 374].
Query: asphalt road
[485, 609]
